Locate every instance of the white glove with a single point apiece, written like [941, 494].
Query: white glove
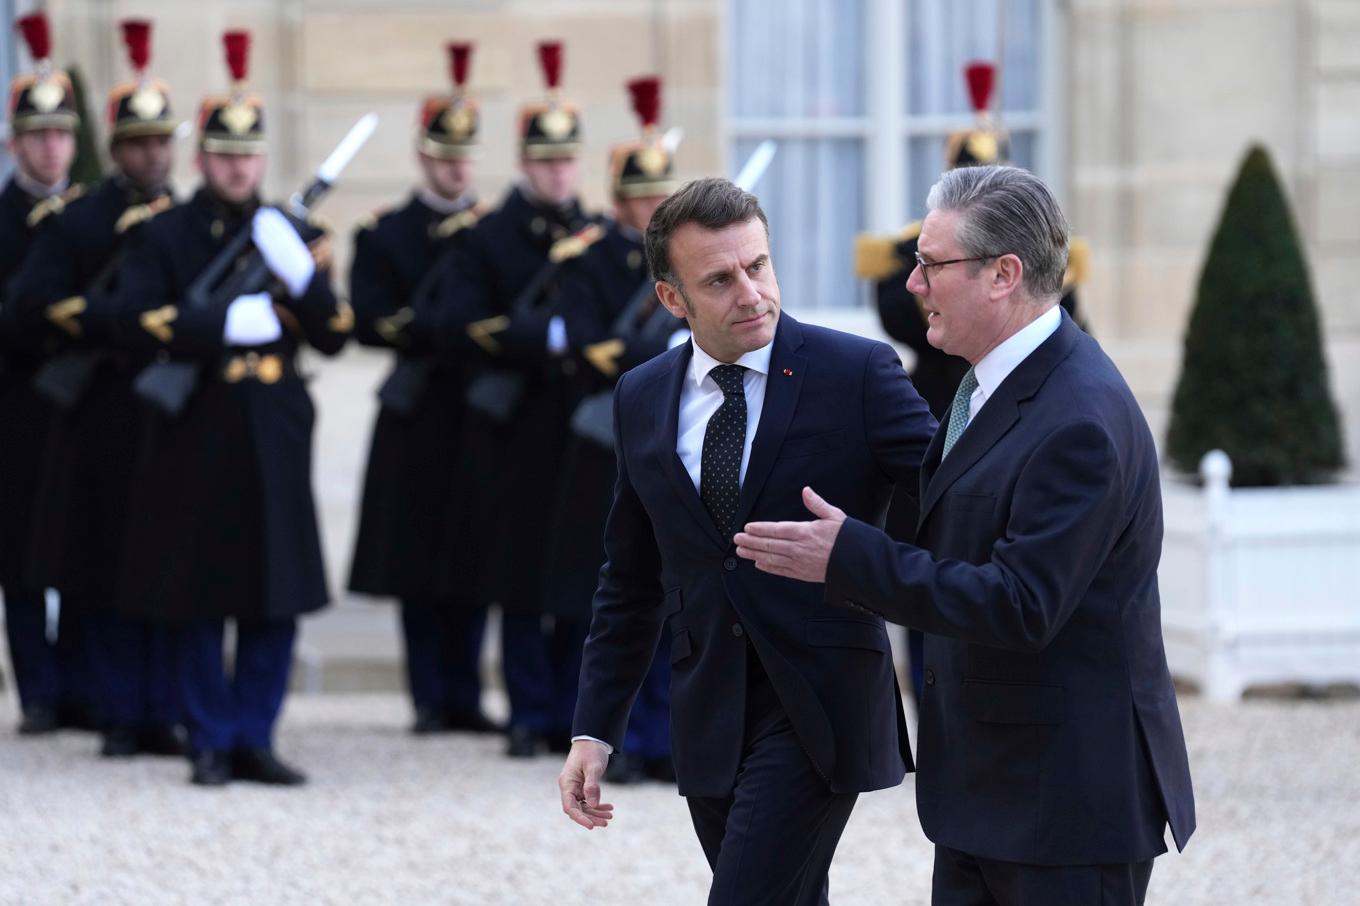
[557, 335]
[283, 249]
[251, 321]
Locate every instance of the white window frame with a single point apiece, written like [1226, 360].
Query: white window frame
[886, 129]
[8, 69]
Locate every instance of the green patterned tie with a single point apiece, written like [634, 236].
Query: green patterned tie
[958, 411]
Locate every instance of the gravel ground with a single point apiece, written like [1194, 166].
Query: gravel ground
[447, 820]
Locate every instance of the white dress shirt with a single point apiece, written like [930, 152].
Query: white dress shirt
[700, 398]
[997, 365]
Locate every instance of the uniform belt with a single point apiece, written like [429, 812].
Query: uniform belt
[269, 368]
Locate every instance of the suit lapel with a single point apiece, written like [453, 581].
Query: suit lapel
[783, 386]
[666, 414]
[997, 416]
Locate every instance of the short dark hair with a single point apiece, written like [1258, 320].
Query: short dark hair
[711, 203]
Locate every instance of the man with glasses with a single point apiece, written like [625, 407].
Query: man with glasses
[1051, 756]
[889, 260]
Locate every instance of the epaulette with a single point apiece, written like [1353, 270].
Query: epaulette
[575, 245]
[456, 223]
[876, 256]
[54, 205]
[1078, 263]
[141, 213]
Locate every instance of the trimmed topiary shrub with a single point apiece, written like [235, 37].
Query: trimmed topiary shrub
[1253, 380]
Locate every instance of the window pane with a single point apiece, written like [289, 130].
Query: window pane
[926, 157]
[813, 196]
[945, 35]
[796, 58]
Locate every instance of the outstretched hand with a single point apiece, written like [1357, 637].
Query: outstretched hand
[795, 550]
[579, 784]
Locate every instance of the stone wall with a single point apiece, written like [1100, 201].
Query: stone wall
[1165, 97]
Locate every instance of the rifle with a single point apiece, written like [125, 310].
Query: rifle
[168, 385]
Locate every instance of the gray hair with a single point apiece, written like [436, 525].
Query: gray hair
[1007, 211]
[712, 204]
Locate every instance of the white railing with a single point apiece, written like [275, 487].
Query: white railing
[1258, 585]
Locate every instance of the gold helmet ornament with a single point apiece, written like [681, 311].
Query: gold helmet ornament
[233, 123]
[985, 143]
[550, 128]
[42, 99]
[643, 167]
[142, 106]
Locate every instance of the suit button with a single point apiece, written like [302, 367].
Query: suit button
[930, 677]
[737, 630]
[730, 564]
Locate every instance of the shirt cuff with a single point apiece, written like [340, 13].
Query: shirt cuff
[608, 749]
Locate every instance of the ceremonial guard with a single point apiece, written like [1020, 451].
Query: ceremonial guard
[612, 276]
[225, 292]
[54, 687]
[521, 394]
[889, 260]
[68, 286]
[398, 261]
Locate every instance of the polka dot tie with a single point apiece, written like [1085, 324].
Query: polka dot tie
[958, 411]
[724, 440]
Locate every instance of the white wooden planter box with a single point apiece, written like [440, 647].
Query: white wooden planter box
[1260, 585]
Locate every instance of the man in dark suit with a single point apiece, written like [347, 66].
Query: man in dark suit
[1051, 753]
[784, 708]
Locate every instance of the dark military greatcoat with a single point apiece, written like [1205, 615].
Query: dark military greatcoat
[24, 415]
[67, 284]
[413, 457]
[611, 276]
[510, 467]
[222, 522]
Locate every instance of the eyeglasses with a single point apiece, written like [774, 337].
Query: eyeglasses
[927, 265]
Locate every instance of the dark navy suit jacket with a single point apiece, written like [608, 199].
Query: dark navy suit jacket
[1049, 729]
[840, 415]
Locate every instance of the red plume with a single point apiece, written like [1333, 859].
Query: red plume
[137, 37]
[36, 35]
[981, 77]
[550, 58]
[646, 93]
[460, 55]
[238, 53]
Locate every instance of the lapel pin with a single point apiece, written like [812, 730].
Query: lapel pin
[788, 372]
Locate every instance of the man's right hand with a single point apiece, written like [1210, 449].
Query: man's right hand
[579, 784]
